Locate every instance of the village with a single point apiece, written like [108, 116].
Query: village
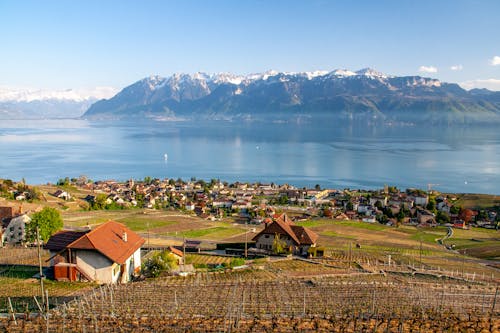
[252, 203]
[136, 237]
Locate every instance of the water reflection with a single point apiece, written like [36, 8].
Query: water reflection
[333, 155]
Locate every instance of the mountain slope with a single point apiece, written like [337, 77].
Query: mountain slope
[365, 94]
[40, 104]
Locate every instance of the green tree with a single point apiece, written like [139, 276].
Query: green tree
[455, 209]
[48, 221]
[63, 182]
[99, 201]
[401, 215]
[160, 262]
[283, 200]
[442, 217]
[432, 204]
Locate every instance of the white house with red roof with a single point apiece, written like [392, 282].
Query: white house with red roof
[298, 239]
[109, 253]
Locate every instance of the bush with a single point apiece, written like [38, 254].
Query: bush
[160, 262]
[237, 262]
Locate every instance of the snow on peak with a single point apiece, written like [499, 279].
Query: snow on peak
[78, 95]
[154, 82]
[311, 75]
[269, 73]
[343, 72]
[227, 78]
[371, 73]
[200, 76]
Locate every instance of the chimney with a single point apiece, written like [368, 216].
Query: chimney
[124, 236]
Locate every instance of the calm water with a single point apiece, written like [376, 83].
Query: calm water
[335, 156]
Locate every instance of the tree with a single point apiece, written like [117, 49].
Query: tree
[48, 221]
[160, 262]
[283, 200]
[63, 182]
[442, 217]
[466, 215]
[99, 201]
[455, 209]
[432, 204]
[279, 246]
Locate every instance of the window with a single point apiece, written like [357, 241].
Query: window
[266, 236]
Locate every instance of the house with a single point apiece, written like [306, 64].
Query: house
[297, 239]
[381, 199]
[369, 219]
[62, 195]
[14, 229]
[421, 200]
[190, 206]
[109, 253]
[6, 212]
[178, 254]
[425, 217]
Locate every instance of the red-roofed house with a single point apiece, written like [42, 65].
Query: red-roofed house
[298, 239]
[109, 253]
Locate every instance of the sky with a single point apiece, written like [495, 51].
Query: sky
[86, 44]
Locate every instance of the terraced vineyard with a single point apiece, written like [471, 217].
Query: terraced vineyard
[268, 300]
[21, 256]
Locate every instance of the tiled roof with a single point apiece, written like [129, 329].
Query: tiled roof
[176, 251]
[108, 239]
[299, 234]
[305, 236]
[60, 240]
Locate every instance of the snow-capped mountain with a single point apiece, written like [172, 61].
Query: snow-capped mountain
[365, 93]
[38, 103]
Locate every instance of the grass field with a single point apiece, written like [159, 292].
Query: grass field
[477, 201]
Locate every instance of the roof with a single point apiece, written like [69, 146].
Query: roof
[283, 225]
[175, 251]
[109, 240]
[60, 240]
[305, 236]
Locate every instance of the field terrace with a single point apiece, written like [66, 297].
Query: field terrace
[271, 299]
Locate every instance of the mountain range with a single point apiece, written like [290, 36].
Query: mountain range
[364, 94]
[40, 104]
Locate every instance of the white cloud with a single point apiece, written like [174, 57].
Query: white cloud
[491, 84]
[31, 94]
[495, 61]
[457, 67]
[427, 69]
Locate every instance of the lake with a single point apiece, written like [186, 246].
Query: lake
[333, 155]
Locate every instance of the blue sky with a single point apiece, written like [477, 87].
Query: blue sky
[74, 44]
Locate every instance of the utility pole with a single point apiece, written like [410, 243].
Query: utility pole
[421, 251]
[246, 246]
[40, 265]
[350, 254]
[149, 247]
[184, 251]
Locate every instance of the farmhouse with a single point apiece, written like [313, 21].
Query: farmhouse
[109, 253]
[12, 226]
[297, 239]
[15, 229]
[62, 195]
